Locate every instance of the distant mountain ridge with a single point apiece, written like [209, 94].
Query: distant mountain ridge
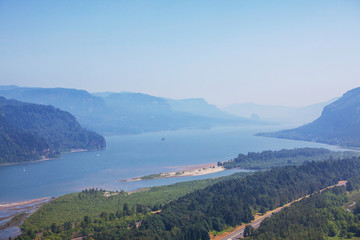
[200, 107]
[277, 113]
[125, 112]
[339, 124]
[33, 131]
[70, 100]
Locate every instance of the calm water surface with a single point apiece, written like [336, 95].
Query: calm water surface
[133, 156]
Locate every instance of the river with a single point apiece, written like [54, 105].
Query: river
[133, 156]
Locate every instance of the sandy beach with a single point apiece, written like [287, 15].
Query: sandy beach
[12, 215]
[184, 171]
[5, 206]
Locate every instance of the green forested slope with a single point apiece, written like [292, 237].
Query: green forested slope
[321, 216]
[91, 203]
[17, 145]
[297, 156]
[40, 131]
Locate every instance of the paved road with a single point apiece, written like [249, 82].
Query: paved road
[240, 233]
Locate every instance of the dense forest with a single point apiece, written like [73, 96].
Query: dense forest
[320, 216]
[270, 159]
[17, 145]
[32, 131]
[227, 203]
[339, 124]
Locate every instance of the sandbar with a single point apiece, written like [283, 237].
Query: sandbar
[184, 171]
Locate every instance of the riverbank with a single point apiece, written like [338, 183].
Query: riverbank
[129, 157]
[184, 171]
[12, 215]
[44, 159]
[32, 161]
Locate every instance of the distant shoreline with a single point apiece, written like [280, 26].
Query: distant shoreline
[33, 161]
[339, 147]
[184, 171]
[44, 159]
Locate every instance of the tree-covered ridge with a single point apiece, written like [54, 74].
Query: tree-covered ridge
[17, 145]
[321, 216]
[233, 201]
[271, 159]
[51, 129]
[339, 124]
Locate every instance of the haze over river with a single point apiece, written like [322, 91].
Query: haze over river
[134, 156]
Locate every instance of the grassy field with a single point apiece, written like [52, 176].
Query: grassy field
[73, 207]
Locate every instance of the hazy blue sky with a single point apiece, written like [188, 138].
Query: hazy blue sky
[268, 52]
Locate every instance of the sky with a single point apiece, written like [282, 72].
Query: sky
[291, 53]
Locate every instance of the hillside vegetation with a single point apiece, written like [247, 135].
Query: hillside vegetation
[322, 216]
[31, 132]
[17, 145]
[271, 159]
[92, 202]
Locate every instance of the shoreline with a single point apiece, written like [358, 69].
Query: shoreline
[28, 162]
[5, 205]
[13, 215]
[182, 171]
[44, 159]
[339, 147]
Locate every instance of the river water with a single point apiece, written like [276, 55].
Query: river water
[133, 156]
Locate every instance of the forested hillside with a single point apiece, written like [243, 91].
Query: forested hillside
[271, 159]
[227, 203]
[31, 132]
[17, 145]
[339, 124]
[321, 216]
